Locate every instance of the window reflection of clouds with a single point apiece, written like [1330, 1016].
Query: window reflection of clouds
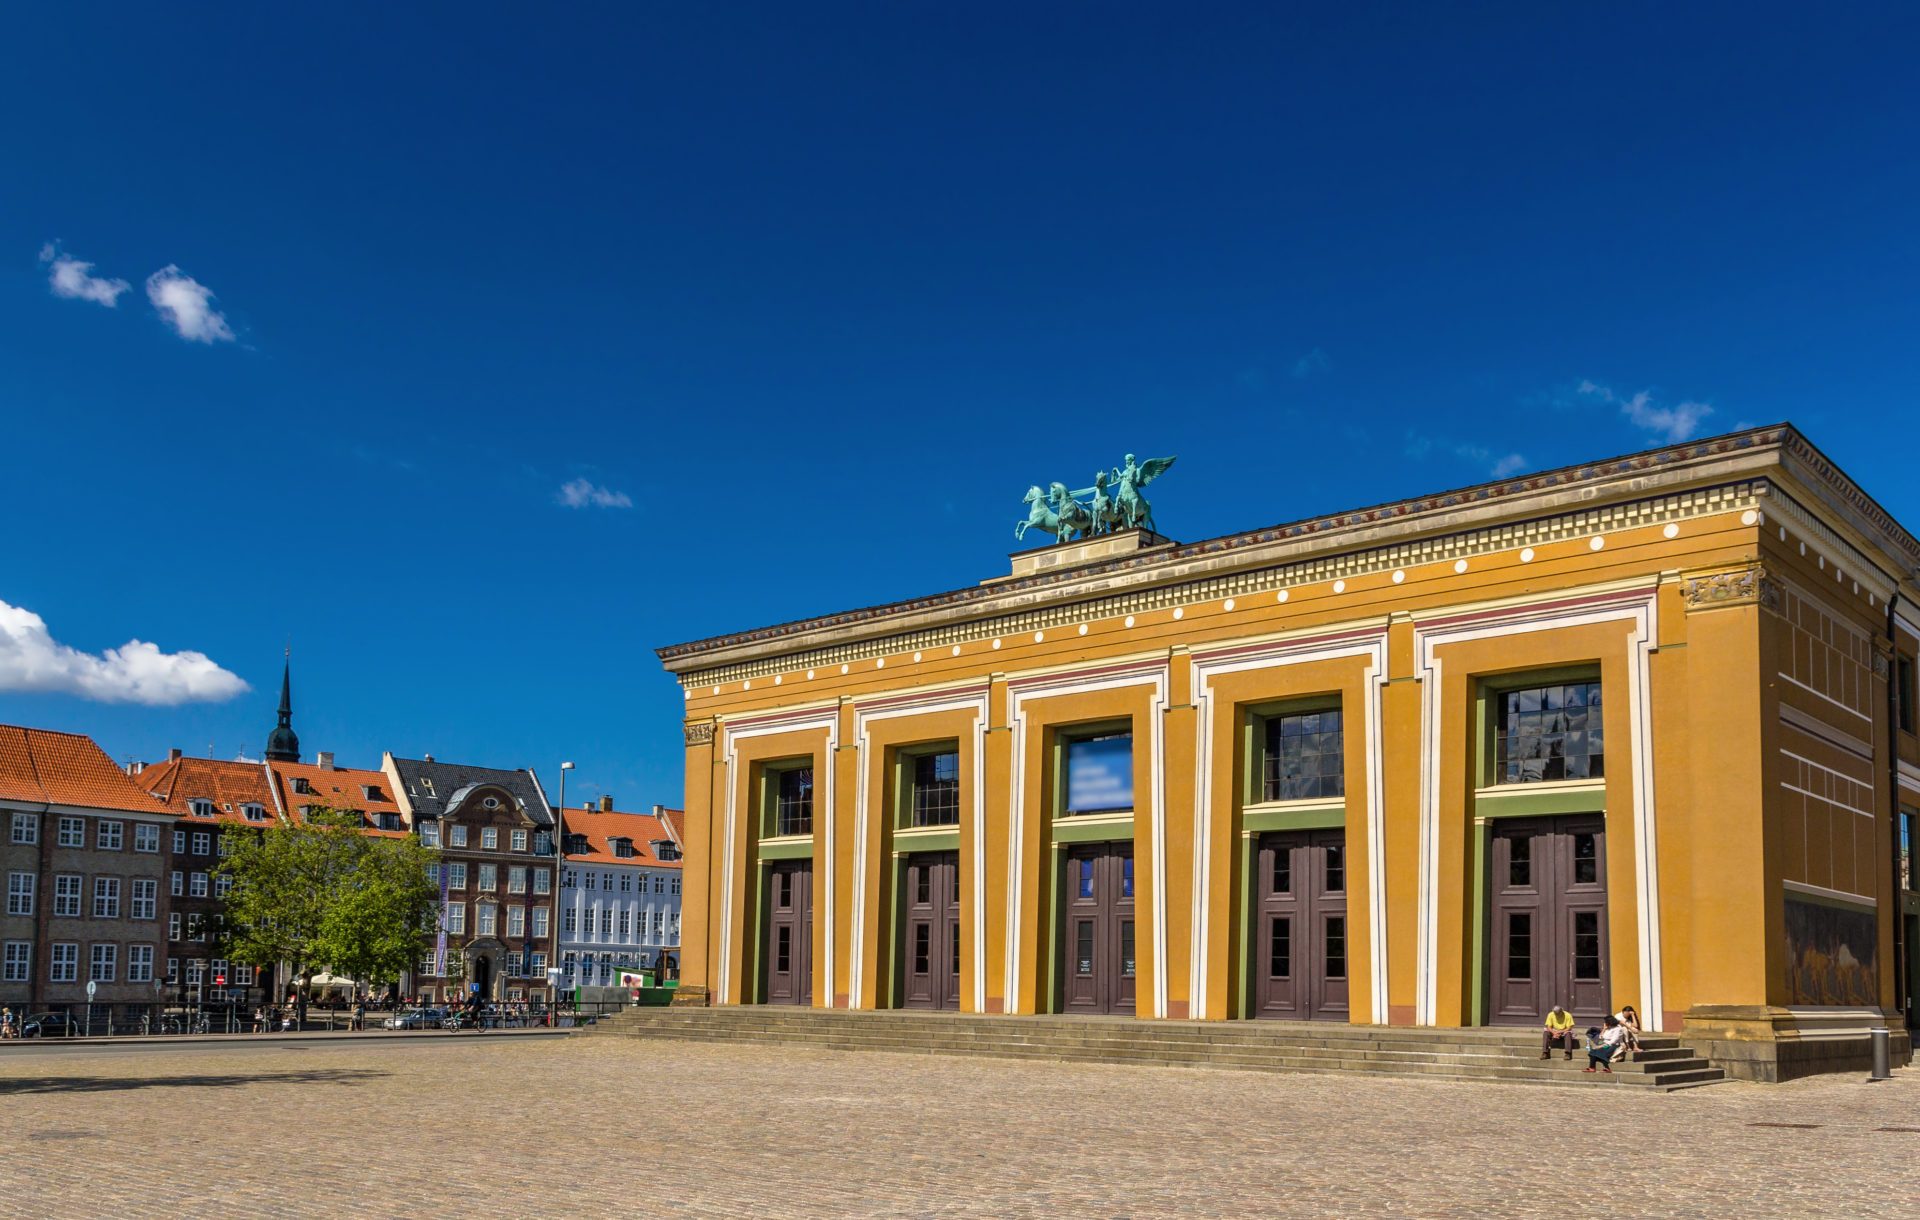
[1100, 774]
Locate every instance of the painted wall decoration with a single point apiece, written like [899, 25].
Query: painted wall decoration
[1831, 954]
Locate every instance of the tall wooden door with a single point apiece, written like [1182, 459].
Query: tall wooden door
[930, 931]
[1097, 941]
[790, 933]
[1549, 934]
[1300, 926]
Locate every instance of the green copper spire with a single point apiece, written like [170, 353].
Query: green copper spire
[283, 744]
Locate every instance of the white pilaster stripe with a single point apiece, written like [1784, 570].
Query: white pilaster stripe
[1370, 643]
[1106, 677]
[1635, 606]
[973, 699]
[762, 726]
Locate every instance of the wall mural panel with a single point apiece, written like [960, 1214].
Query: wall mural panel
[1830, 954]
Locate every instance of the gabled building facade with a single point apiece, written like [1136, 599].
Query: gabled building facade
[85, 855]
[494, 830]
[619, 898]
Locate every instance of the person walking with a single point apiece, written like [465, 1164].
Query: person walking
[6, 1023]
[1558, 1028]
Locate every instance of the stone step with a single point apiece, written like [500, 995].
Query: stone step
[1505, 1055]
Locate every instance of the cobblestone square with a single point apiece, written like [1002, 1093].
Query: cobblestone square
[602, 1127]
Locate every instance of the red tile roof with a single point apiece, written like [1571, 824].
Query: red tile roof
[48, 767]
[336, 788]
[676, 820]
[229, 784]
[642, 828]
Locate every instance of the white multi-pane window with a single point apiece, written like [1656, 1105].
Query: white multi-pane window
[200, 808]
[197, 928]
[146, 898]
[146, 837]
[194, 966]
[456, 875]
[178, 885]
[568, 920]
[19, 967]
[484, 918]
[673, 886]
[489, 878]
[606, 922]
[428, 963]
[626, 923]
[542, 881]
[539, 921]
[64, 965]
[179, 842]
[659, 884]
[222, 885]
[73, 832]
[197, 885]
[26, 828]
[110, 835]
[430, 834]
[106, 897]
[173, 926]
[566, 965]
[139, 963]
[591, 878]
[456, 836]
[539, 970]
[457, 917]
[173, 970]
[516, 921]
[242, 974]
[659, 922]
[673, 927]
[569, 879]
[626, 883]
[489, 838]
[519, 840]
[516, 881]
[20, 893]
[202, 842]
[66, 895]
[106, 961]
[223, 846]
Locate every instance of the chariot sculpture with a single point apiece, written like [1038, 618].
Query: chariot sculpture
[1063, 514]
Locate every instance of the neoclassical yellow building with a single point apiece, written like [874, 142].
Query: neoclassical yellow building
[1634, 732]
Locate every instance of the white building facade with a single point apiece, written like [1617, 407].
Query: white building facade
[619, 898]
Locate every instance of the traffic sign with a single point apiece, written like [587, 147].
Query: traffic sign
[91, 988]
[219, 980]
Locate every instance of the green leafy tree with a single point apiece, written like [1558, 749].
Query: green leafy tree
[319, 894]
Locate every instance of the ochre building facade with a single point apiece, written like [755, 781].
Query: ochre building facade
[1636, 732]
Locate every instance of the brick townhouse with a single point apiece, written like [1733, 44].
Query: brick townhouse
[86, 854]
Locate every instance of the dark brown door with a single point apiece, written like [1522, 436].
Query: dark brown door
[1549, 934]
[790, 933]
[1300, 933]
[930, 935]
[1097, 926]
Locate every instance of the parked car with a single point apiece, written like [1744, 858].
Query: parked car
[50, 1025]
[415, 1018]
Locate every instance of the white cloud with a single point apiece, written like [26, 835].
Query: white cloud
[186, 305]
[1513, 463]
[31, 660]
[74, 280]
[1315, 361]
[583, 494]
[1670, 424]
[1419, 448]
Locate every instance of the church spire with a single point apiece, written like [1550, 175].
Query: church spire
[283, 744]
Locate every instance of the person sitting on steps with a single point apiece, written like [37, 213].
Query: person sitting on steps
[1559, 1028]
[1630, 1023]
[1600, 1050]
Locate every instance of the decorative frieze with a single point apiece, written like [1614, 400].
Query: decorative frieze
[1748, 586]
[699, 733]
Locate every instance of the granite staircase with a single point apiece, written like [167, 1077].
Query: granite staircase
[1484, 1054]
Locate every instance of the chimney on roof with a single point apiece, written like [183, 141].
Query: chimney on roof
[173, 756]
[658, 810]
[136, 767]
[325, 759]
[606, 804]
[426, 758]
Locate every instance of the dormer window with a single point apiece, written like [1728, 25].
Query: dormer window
[254, 813]
[372, 792]
[491, 802]
[200, 808]
[427, 784]
[577, 845]
[301, 787]
[623, 848]
[665, 850]
[388, 821]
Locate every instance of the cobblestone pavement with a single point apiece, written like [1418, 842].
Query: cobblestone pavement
[591, 1127]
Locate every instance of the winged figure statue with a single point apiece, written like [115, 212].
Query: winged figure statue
[1116, 503]
[1134, 508]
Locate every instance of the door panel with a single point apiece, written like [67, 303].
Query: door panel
[790, 933]
[1301, 937]
[930, 935]
[1548, 934]
[1098, 938]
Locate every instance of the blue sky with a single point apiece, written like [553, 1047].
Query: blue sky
[808, 295]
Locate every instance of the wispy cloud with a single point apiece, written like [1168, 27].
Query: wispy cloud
[186, 304]
[582, 493]
[1315, 361]
[1671, 424]
[1498, 465]
[74, 280]
[32, 661]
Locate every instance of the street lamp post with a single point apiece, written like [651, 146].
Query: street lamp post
[559, 870]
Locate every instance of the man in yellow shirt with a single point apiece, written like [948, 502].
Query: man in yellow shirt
[1559, 1029]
